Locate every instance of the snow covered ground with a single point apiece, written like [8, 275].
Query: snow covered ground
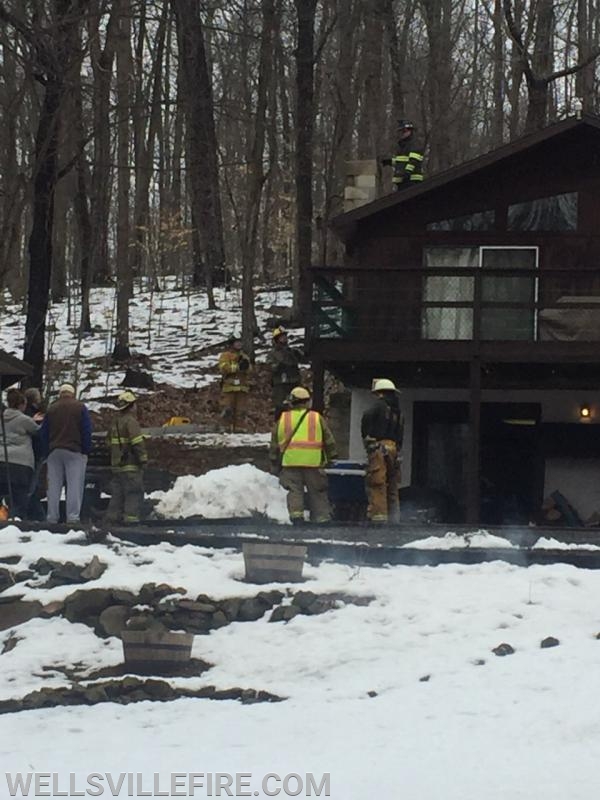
[181, 327]
[446, 719]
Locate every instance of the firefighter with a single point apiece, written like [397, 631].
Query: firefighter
[382, 428]
[408, 161]
[127, 459]
[301, 445]
[285, 370]
[234, 366]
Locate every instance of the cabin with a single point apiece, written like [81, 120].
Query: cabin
[478, 293]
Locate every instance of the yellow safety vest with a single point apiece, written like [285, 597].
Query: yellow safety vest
[306, 446]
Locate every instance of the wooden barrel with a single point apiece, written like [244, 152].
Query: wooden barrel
[270, 563]
[156, 649]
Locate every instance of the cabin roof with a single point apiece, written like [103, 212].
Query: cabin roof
[344, 224]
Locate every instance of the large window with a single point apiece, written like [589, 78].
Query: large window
[556, 213]
[499, 321]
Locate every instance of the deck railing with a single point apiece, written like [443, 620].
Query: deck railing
[455, 304]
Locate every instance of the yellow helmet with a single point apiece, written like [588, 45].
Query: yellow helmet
[279, 331]
[125, 400]
[299, 394]
[383, 385]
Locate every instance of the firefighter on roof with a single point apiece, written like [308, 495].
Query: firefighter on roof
[407, 163]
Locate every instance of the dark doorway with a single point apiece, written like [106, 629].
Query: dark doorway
[511, 470]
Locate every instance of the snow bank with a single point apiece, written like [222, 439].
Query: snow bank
[453, 540]
[238, 491]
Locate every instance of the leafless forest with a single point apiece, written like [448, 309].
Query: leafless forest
[202, 138]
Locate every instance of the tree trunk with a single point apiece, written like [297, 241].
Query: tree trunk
[305, 113]
[124, 277]
[101, 180]
[255, 176]
[201, 138]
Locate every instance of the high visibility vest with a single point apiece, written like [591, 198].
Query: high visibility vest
[306, 446]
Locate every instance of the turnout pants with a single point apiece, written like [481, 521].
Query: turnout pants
[383, 483]
[65, 467]
[234, 406]
[126, 497]
[295, 479]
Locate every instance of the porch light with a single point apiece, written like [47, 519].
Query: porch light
[584, 411]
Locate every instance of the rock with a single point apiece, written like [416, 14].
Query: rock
[6, 579]
[135, 378]
[424, 678]
[145, 622]
[194, 605]
[549, 641]
[304, 600]
[10, 644]
[284, 613]
[479, 662]
[231, 608]
[18, 612]
[503, 649]
[53, 609]
[112, 620]
[372, 693]
[251, 609]
[86, 606]
[151, 593]
[219, 619]
[93, 570]
[122, 597]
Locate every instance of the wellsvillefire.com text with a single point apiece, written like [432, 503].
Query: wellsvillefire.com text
[175, 784]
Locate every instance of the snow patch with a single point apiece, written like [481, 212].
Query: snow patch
[241, 490]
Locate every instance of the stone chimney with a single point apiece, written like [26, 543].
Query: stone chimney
[363, 183]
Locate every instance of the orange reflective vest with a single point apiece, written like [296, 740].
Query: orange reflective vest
[306, 446]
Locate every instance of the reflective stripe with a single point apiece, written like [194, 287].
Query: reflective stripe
[417, 177]
[416, 156]
[399, 159]
[306, 445]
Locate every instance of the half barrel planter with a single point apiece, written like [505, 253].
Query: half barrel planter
[273, 563]
[150, 650]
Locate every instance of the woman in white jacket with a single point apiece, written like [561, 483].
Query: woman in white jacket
[19, 430]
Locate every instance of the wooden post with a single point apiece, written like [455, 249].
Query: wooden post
[474, 446]
[473, 452]
[318, 399]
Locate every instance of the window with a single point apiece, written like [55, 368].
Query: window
[556, 213]
[499, 321]
[479, 221]
[443, 322]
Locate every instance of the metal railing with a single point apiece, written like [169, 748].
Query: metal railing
[455, 304]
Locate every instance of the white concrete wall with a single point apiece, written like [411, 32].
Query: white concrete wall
[557, 406]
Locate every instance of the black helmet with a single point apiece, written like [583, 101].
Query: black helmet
[403, 124]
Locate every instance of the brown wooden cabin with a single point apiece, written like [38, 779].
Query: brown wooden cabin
[478, 293]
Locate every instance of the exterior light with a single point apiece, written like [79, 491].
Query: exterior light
[584, 411]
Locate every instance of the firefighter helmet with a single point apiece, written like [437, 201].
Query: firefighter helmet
[125, 400]
[404, 124]
[279, 331]
[384, 385]
[299, 394]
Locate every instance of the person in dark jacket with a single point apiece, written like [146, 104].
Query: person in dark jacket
[407, 163]
[127, 459]
[20, 431]
[382, 429]
[285, 370]
[67, 439]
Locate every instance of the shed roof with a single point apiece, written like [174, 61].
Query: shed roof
[344, 223]
[12, 368]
